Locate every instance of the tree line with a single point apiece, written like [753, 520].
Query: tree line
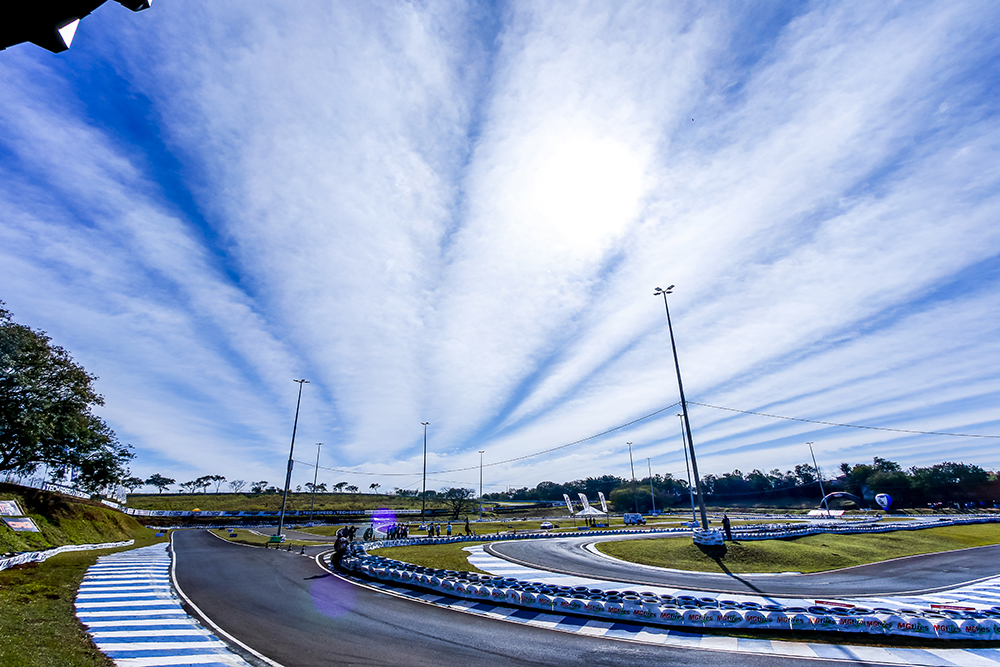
[944, 483]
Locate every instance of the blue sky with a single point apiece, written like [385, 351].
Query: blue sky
[457, 214]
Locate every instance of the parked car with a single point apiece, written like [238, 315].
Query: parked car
[546, 525]
[634, 519]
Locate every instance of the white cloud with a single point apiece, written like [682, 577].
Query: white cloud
[433, 221]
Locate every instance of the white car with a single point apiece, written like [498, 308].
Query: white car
[546, 525]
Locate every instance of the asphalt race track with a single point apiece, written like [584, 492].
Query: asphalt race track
[286, 607]
[925, 573]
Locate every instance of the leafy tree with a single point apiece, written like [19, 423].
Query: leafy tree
[217, 480]
[236, 485]
[458, 499]
[203, 483]
[352, 489]
[46, 418]
[318, 488]
[258, 487]
[339, 487]
[159, 481]
[374, 487]
[132, 483]
[190, 487]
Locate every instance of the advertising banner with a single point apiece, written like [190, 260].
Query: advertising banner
[10, 508]
[21, 524]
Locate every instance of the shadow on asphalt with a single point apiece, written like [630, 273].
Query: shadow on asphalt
[717, 553]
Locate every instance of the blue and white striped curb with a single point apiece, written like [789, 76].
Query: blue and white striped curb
[127, 603]
[681, 639]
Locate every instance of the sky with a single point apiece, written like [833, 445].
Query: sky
[457, 213]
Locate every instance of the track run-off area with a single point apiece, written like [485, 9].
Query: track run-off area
[278, 607]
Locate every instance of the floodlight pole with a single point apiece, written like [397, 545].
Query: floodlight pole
[312, 503]
[684, 409]
[423, 496]
[291, 450]
[481, 484]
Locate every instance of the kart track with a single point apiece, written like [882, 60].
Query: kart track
[285, 607]
[914, 574]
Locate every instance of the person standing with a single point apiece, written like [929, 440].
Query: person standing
[726, 527]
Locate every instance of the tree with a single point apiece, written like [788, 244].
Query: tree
[217, 480]
[374, 487]
[46, 417]
[339, 487]
[317, 488]
[190, 487]
[159, 481]
[258, 487]
[203, 483]
[236, 485]
[132, 483]
[458, 499]
[352, 489]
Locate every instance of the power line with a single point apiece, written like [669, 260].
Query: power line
[871, 428]
[499, 463]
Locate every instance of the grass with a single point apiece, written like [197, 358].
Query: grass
[38, 626]
[813, 553]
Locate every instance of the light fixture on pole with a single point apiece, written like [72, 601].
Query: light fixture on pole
[312, 503]
[684, 409]
[652, 499]
[687, 466]
[291, 450]
[423, 496]
[481, 484]
[635, 492]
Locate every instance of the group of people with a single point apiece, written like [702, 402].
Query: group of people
[397, 531]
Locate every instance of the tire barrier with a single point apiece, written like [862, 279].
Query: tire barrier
[39, 556]
[683, 611]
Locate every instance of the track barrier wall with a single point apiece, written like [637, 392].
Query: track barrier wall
[686, 611]
[39, 556]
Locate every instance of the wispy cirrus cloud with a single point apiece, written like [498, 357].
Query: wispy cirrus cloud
[457, 214]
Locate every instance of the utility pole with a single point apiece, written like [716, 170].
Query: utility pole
[684, 409]
[312, 503]
[481, 484]
[818, 475]
[652, 498]
[635, 491]
[423, 496]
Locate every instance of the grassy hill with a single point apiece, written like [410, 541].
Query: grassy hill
[272, 501]
[65, 520]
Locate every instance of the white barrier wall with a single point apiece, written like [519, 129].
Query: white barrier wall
[39, 556]
[983, 624]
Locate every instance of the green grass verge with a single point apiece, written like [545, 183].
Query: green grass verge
[442, 556]
[813, 553]
[38, 624]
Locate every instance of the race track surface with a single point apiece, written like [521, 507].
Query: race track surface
[927, 573]
[287, 608]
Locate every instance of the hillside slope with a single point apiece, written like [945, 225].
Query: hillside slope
[65, 520]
